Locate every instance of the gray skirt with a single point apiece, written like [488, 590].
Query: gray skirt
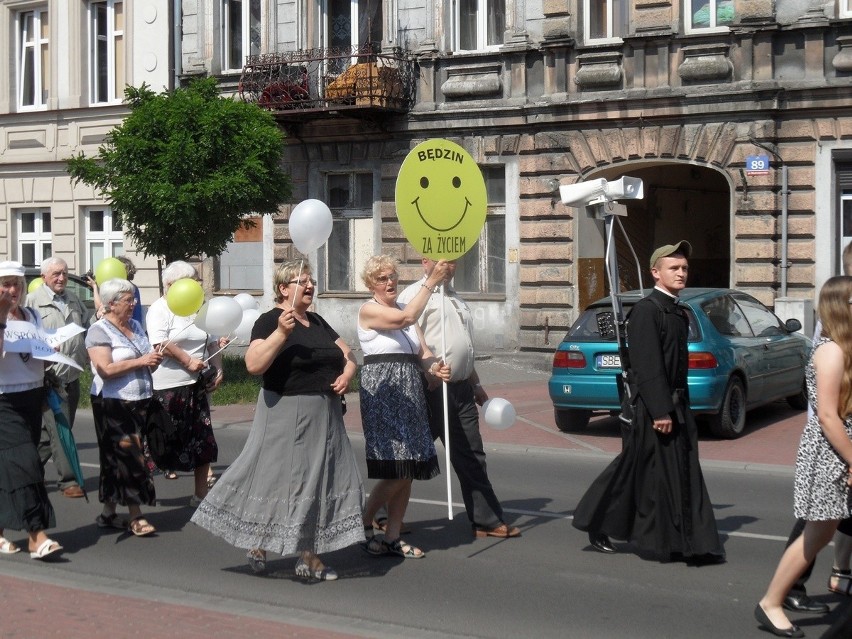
[295, 486]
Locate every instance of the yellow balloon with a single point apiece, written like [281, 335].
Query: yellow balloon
[110, 269]
[185, 297]
[34, 284]
[441, 199]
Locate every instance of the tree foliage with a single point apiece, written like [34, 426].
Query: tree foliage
[185, 168]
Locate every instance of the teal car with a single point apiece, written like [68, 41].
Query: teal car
[740, 356]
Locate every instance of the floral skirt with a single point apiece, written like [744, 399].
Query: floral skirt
[190, 412]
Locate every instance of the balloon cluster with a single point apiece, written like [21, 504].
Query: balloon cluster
[223, 316]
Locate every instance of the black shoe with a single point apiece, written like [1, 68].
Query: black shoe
[601, 543]
[708, 559]
[803, 603]
[763, 620]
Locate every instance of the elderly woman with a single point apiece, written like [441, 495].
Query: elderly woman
[295, 487]
[23, 498]
[178, 383]
[122, 363]
[393, 407]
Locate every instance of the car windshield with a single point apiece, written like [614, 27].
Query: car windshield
[597, 324]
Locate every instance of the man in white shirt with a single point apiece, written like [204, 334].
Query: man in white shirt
[59, 307]
[464, 392]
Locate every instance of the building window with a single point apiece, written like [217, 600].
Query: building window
[350, 198]
[103, 235]
[845, 224]
[479, 24]
[107, 50]
[483, 268]
[240, 32]
[33, 59]
[845, 9]
[605, 20]
[708, 15]
[240, 266]
[34, 236]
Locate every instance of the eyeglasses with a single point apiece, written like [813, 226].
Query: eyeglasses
[128, 300]
[303, 282]
[390, 277]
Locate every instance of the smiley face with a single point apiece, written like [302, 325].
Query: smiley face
[441, 199]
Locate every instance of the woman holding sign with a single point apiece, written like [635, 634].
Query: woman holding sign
[23, 498]
[393, 406]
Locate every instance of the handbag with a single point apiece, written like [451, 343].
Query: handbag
[164, 440]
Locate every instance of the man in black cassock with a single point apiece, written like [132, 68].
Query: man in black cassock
[653, 493]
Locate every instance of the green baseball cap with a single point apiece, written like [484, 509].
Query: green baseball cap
[683, 247]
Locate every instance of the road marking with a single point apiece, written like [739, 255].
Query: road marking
[539, 513]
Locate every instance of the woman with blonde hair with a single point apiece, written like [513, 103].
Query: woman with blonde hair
[821, 492]
[394, 414]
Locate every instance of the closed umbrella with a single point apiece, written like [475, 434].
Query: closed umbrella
[66, 437]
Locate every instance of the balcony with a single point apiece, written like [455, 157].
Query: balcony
[327, 82]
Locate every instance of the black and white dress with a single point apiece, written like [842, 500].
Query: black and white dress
[820, 492]
[394, 415]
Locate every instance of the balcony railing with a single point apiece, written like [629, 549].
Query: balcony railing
[323, 80]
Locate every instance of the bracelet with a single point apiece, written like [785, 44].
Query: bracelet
[431, 289]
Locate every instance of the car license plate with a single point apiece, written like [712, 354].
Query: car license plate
[608, 361]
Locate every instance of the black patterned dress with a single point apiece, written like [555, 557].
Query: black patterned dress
[820, 492]
[394, 415]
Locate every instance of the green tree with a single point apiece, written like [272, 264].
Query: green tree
[185, 168]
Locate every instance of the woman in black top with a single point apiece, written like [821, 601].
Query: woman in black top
[295, 487]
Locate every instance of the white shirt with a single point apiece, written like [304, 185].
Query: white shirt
[164, 326]
[458, 328]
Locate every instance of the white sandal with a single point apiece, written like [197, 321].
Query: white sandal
[7, 547]
[47, 548]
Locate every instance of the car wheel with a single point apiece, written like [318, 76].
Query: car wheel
[729, 423]
[799, 401]
[572, 421]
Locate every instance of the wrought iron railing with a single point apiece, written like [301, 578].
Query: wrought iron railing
[330, 79]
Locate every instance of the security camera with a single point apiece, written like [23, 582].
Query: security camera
[600, 191]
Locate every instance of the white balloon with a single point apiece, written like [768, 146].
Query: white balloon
[223, 315]
[310, 225]
[246, 301]
[499, 413]
[243, 331]
[200, 320]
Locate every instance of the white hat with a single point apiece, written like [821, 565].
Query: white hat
[11, 269]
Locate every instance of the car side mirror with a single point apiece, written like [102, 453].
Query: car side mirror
[792, 325]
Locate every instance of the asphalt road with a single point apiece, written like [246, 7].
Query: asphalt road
[545, 584]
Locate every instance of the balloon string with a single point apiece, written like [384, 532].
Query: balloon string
[173, 337]
[214, 353]
[298, 281]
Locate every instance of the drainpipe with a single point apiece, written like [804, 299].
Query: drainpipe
[784, 197]
[177, 57]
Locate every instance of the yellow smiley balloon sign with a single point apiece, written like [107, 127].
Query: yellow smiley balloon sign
[440, 199]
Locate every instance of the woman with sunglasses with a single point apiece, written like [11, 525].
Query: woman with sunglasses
[295, 487]
[394, 415]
